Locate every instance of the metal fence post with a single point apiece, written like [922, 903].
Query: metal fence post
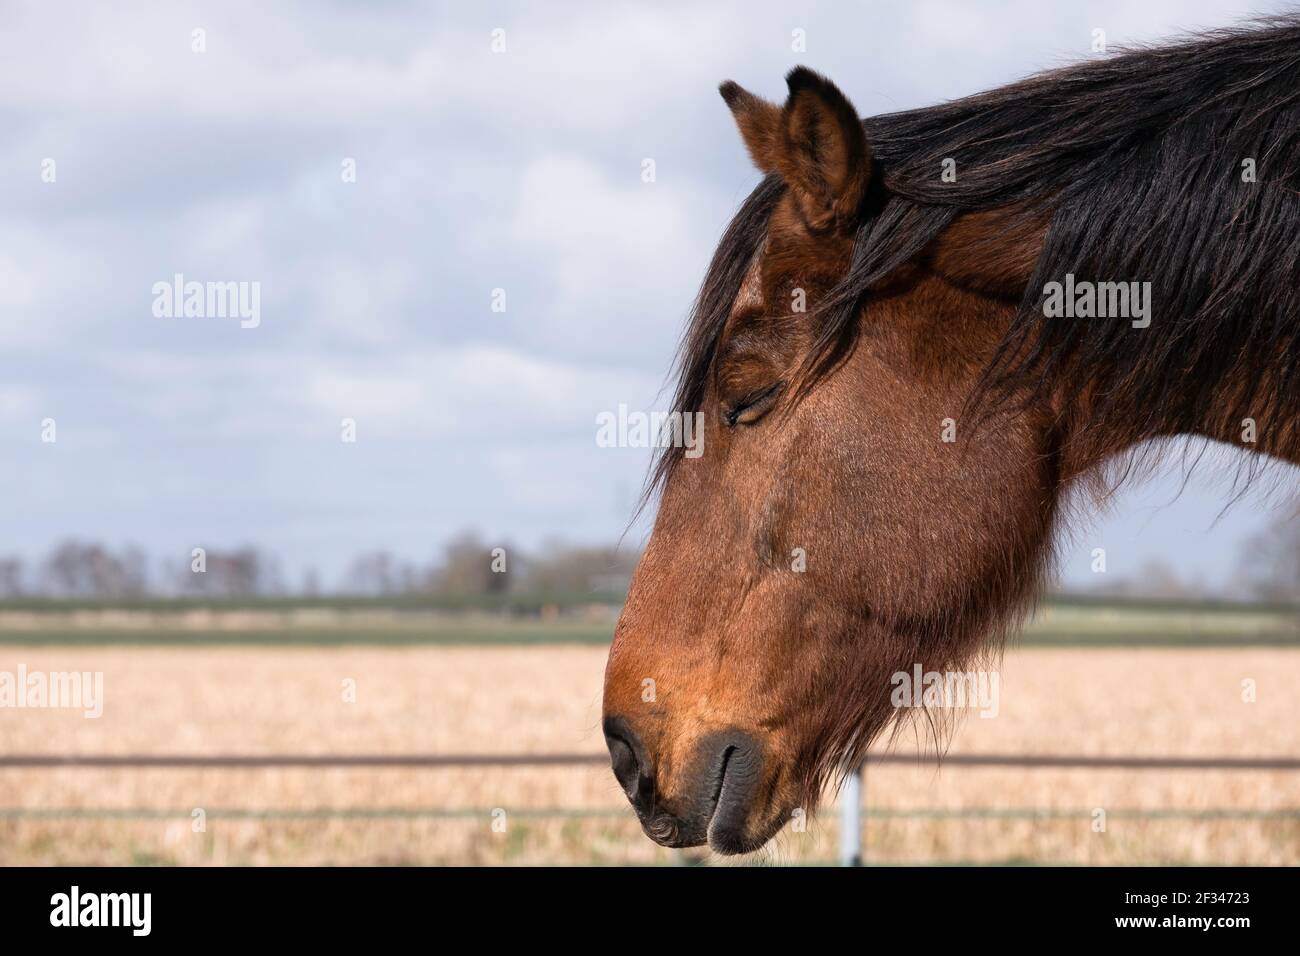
[851, 819]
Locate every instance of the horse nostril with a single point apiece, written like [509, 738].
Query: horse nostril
[628, 759]
[623, 760]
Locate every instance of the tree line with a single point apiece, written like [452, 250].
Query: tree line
[467, 565]
[1267, 569]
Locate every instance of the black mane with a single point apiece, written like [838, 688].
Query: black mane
[1136, 160]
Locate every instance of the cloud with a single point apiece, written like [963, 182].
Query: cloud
[622, 257]
[520, 170]
[474, 395]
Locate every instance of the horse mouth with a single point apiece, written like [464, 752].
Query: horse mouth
[697, 829]
[727, 775]
[719, 788]
[738, 776]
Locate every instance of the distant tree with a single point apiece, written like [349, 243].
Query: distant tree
[1269, 563]
[379, 573]
[468, 567]
[576, 569]
[311, 582]
[245, 572]
[1154, 579]
[89, 569]
[11, 577]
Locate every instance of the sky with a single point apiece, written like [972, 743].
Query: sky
[498, 152]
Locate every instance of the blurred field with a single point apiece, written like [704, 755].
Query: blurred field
[448, 699]
[315, 627]
[520, 619]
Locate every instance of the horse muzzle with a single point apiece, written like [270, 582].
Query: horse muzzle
[712, 803]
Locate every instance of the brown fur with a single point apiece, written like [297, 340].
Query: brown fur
[992, 251]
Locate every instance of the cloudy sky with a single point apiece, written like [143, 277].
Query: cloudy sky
[476, 170]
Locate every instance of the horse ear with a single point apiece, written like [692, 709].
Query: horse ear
[815, 143]
[827, 160]
[759, 122]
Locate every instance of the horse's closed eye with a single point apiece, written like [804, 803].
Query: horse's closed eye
[752, 407]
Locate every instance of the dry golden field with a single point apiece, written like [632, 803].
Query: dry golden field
[512, 699]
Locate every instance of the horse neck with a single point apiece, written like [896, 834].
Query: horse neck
[1255, 408]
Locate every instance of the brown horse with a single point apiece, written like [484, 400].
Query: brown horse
[896, 397]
